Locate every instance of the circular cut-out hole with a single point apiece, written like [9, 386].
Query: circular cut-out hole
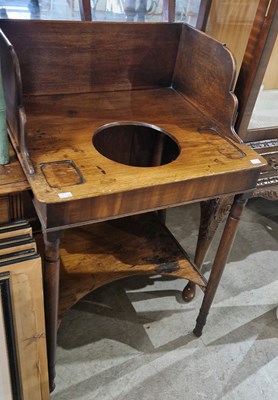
[135, 144]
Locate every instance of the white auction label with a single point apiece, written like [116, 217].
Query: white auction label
[65, 195]
[255, 161]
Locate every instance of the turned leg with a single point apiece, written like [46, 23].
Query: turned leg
[220, 260]
[212, 214]
[51, 297]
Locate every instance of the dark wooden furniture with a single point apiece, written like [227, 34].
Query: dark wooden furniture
[122, 119]
[265, 140]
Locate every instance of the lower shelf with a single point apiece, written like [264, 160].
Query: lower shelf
[95, 255]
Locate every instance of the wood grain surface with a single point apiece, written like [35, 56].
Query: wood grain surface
[99, 254]
[77, 79]
[70, 57]
[62, 128]
[126, 76]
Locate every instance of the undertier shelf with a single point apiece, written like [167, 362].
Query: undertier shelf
[92, 256]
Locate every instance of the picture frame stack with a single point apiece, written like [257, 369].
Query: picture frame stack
[23, 363]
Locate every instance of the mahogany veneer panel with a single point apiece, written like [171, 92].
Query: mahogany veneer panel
[198, 76]
[69, 57]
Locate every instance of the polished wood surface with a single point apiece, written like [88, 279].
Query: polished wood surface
[115, 56]
[119, 188]
[211, 90]
[63, 118]
[162, 88]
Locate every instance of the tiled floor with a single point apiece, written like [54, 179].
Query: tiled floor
[132, 339]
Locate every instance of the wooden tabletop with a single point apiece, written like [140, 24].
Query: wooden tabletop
[69, 168]
[79, 78]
